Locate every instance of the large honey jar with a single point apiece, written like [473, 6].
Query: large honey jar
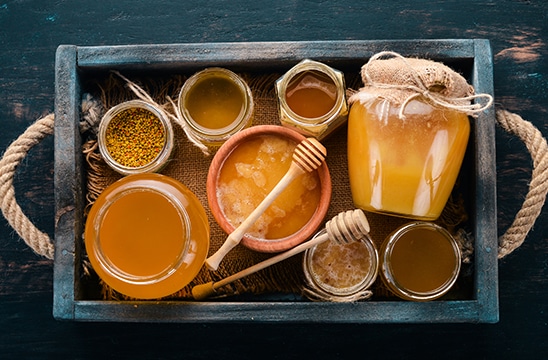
[408, 131]
[147, 236]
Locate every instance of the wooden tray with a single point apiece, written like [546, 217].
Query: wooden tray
[74, 64]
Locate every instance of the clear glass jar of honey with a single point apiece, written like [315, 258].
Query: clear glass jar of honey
[215, 104]
[312, 99]
[147, 236]
[404, 166]
[420, 261]
[340, 272]
[135, 137]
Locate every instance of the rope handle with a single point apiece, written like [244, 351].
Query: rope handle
[508, 242]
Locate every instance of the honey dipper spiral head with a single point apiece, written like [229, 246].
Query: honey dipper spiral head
[309, 154]
[348, 226]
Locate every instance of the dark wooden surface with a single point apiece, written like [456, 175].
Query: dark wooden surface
[30, 31]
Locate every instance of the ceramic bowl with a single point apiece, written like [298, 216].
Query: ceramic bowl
[255, 242]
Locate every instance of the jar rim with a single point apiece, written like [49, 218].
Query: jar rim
[158, 161]
[386, 268]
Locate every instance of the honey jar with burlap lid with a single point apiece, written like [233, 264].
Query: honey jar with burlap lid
[408, 131]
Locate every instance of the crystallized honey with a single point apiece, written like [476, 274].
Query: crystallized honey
[250, 172]
[147, 236]
[340, 265]
[340, 272]
[406, 167]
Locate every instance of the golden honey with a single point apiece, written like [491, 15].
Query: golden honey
[420, 261]
[147, 236]
[250, 172]
[406, 167]
[216, 103]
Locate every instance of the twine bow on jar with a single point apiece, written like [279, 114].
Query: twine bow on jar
[399, 80]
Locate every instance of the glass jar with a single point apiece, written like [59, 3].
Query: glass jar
[404, 166]
[340, 272]
[215, 103]
[420, 261]
[135, 137]
[312, 99]
[147, 236]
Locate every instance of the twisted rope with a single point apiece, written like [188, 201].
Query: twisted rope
[538, 188]
[511, 240]
[34, 238]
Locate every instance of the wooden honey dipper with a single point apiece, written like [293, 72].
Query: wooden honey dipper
[345, 228]
[307, 157]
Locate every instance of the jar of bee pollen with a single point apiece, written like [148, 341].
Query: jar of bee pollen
[134, 137]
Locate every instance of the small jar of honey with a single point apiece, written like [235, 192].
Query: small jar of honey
[216, 103]
[340, 272]
[420, 261]
[312, 99]
[135, 137]
[147, 236]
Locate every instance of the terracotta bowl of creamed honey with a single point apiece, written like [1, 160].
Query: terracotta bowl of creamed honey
[242, 173]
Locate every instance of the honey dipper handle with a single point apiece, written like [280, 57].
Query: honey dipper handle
[200, 292]
[236, 236]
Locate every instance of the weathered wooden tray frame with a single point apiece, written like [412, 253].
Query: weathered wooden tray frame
[72, 62]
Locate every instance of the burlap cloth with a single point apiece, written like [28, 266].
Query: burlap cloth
[190, 166]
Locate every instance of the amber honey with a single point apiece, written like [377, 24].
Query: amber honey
[311, 94]
[421, 261]
[250, 172]
[406, 167]
[311, 99]
[147, 236]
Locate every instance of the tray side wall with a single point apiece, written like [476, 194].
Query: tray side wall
[68, 182]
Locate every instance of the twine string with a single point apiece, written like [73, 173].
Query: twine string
[178, 119]
[418, 87]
